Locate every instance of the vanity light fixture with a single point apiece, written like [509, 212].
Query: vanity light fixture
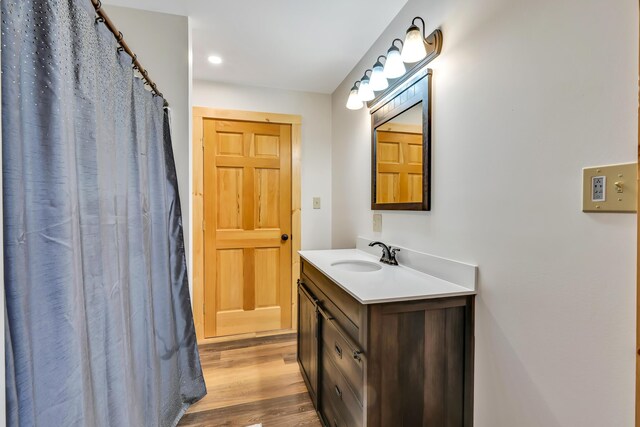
[413, 49]
[354, 102]
[378, 80]
[403, 62]
[394, 66]
[365, 93]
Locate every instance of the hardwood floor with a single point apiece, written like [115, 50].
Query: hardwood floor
[252, 381]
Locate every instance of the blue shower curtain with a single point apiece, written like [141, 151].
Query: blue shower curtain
[99, 329]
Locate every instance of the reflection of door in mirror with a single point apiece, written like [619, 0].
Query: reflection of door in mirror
[399, 158]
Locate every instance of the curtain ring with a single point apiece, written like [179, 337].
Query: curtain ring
[120, 49]
[99, 19]
[120, 37]
[133, 60]
[98, 6]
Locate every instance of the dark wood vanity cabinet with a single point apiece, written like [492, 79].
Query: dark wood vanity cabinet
[308, 341]
[391, 364]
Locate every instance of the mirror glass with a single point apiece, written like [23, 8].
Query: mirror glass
[399, 158]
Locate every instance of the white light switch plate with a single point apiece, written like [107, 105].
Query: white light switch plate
[377, 223]
[316, 203]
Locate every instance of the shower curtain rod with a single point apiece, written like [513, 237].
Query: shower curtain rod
[103, 17]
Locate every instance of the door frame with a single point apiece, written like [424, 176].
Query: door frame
[197, 191]
[637, 390]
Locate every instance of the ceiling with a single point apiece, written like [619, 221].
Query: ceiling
[305, 45]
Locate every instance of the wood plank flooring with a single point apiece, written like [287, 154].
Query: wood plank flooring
[252, 381]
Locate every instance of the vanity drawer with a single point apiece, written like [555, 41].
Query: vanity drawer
[345, 354]
[330, 416]
[330, 307]
[345, 302]
[336, 390]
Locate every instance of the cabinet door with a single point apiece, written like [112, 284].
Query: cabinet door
[423, 353]
[308, 340]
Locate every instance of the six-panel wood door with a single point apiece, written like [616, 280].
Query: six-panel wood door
[399, 167]
[247, 214]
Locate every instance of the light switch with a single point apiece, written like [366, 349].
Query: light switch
[316, 203]
[377, 223]
[610, 188]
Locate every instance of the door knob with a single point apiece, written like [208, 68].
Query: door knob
[285, 237]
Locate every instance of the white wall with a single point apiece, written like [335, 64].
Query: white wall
[525, 94]
[161, 42]
[315, 110]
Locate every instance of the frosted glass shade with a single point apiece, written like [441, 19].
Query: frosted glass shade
[394, 67]
[413, 49]
[378, 80]
[364, 91]
[354, 102]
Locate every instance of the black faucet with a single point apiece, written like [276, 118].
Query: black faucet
[388, 253]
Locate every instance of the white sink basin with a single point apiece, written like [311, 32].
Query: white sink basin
[357, 266]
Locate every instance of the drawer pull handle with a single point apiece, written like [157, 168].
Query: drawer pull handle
[306, 292]
[356, 355]
[338, 351]
[338, 392]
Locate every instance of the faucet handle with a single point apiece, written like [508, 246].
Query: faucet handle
[392, 255]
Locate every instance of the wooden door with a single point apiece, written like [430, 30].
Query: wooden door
[399, 167]
[247, 225]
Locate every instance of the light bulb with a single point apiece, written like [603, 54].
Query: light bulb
[354, 102]
[365, 93]
[214, 59]
[413, 49]
[394, 67]
[378, 80]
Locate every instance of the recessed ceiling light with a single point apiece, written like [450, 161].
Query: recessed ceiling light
[215, 59]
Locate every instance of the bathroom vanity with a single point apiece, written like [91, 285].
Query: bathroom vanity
[382, 345]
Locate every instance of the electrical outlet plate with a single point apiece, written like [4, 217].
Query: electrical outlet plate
[377, 223]
[316, 203]
[610, 188]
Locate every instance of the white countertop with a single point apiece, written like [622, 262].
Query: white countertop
[389, 284]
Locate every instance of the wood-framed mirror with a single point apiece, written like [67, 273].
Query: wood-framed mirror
[401, 148]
